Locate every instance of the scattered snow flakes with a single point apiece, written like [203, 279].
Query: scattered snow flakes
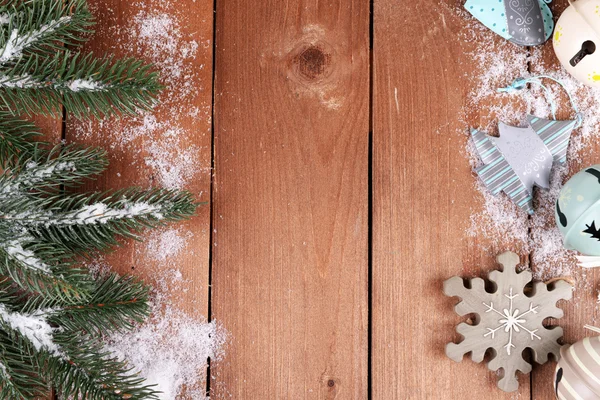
[167, 243]
[171, 351]
[173, 169]
[161, 140]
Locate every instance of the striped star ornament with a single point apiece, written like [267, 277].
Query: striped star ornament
[522, 157]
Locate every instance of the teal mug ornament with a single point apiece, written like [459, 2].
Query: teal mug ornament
[577, 215]
[523, 22]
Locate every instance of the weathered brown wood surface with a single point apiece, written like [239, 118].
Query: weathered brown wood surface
[290, 256]
[339, 200]
[423, 196]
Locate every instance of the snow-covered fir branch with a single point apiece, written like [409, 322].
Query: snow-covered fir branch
[29, 82]
[96, 213]
[34, 327]
[14, 248]
[20, 41]
[20, 82]
[32, 175]
[102, 213]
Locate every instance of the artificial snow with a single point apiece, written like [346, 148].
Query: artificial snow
[102, 213]
[167, 243]
[19, 41]
[32, 326]
[171, 351]
[28, 258]
[161, 140]
[84, 84]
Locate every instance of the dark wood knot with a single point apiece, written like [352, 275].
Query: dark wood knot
[312, 63]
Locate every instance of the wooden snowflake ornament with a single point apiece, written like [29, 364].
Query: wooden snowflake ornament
[508, 320]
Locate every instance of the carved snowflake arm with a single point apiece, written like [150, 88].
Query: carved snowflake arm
[477, 348]
[547, 345]
[561, 291]
[470, 298]
[509, 382]
[509, 277]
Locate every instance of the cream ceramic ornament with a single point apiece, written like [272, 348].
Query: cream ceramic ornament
[577, 375]
[577, 40]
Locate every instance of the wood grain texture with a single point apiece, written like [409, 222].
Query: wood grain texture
[582, 309]
[120, 31]
[290, 266]
[423, 196]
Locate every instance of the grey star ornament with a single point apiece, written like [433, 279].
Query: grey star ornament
[522, 157]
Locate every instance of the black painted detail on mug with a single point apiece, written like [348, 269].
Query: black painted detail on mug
[562, 217]
[594, 172]
[591, 229]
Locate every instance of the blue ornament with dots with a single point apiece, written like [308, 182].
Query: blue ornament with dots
[523, 22]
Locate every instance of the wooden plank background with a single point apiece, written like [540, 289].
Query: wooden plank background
[338, 199]
[290, 256]
[423, 194]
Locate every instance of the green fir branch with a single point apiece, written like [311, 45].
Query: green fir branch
[60, 280]
[53, 313]
[83, 84]
[116, 304]
[41, 27]
[16, 139]
[19, 378]
[77, 365]
[91, 373]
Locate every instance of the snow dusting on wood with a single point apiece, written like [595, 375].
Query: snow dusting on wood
[172, 348]
[156, 137]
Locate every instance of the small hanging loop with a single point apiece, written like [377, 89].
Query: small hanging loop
[521, 83]
[517, 84]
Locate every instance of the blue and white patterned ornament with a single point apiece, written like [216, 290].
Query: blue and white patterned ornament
[523, 22]
[522, 157]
